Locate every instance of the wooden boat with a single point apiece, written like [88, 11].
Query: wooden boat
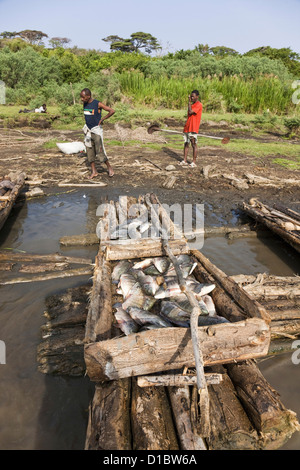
[9, 198]
[281, 220]
[146, 386]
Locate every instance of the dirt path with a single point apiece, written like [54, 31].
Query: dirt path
[150, 168]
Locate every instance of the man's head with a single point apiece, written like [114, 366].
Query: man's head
[194, 95]
[85, 95]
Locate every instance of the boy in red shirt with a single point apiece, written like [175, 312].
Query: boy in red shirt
[191, 127]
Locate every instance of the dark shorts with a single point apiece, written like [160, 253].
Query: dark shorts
[97, 150]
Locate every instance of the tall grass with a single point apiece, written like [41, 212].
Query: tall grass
[231, 94]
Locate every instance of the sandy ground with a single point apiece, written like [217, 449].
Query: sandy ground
[150, 169]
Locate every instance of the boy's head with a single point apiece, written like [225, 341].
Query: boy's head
[85, 95]
[194, 95]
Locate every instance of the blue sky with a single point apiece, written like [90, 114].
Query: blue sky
[239, 24]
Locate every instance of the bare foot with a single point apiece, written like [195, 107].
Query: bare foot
[93, 175]
[111, 172]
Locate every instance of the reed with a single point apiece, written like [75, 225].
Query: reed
[218, 93]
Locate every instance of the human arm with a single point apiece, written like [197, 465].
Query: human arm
[109, 110]
[190, 111]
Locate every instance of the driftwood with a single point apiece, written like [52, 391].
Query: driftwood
[83, 240]
[52, 258]
[152, 424]
[262, 214]
[271, 419]
[173, 348]
[48, 276]
[180, 402]
[231, 428]
[19, 180]
[175, 380]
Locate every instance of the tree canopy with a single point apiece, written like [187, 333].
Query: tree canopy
[135, 43]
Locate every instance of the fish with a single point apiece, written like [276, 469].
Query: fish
[186, 268]
[151, 270]
[120, 268]
[143, 317]
[126, 283]
[147, 282]
[161, 264]
[186, 305]
[144, 226]
[139, 299]
[145, 263]
[179, 317]
[210, 305]
[125, 321]
[172, 288]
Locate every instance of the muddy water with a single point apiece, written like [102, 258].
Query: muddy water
[45, 412]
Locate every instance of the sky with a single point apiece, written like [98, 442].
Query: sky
[239, 24]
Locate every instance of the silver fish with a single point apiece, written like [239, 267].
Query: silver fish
[161, 264]
[126, 283]
[143, 317]
[172, 288]
[143, 263]
[120, 268]
[125, 321]
[210, 305]
[151, 270]
[185, 305]
[139, 299]
[147, 282]
[179, 317]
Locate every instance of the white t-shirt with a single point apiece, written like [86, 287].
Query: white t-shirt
[39, 110]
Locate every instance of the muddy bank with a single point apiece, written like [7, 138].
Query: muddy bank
[144, 162]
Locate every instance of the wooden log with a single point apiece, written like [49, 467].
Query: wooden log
[175, 380]
[152, 424]
[231, 428]
[272, 292]
[80, 240]
[288, 236]
[225, 305]
[181, 409]
[288, 314]
[266, 279]
[293, 214]
[61, 353]
[48, 276]
[286, 328]
[52, 258]
[99, 319]
[164, 349]
[109, 417]
[141, 248]
[82, 185]
[41, 268]
[272, 420]
[250, 305]
[19, 180]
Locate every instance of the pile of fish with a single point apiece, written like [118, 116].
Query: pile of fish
[152, 284]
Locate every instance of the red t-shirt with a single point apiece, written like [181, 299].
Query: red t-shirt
[193, 122]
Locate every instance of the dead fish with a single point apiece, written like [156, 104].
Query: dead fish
[147, 282]
[139, 299]
[120, 268]
[126, 283]
[181, 318]
[125, 322]
[143, 317]
[150, 327]
[161, 264]
[145, 263]
[185, 268]
[210, 305]
[185, 305]
[172, 288]
[151, 270]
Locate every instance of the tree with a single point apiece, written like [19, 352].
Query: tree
[32, 36]
[59, 42]
[8, 34]
[222, 51]
[136, 42]
[290, 58]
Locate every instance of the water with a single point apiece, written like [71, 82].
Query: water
[40, 411]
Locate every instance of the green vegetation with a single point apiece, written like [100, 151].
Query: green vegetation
[253, 83]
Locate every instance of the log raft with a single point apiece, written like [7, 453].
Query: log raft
[284, 222]
[164, 415]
